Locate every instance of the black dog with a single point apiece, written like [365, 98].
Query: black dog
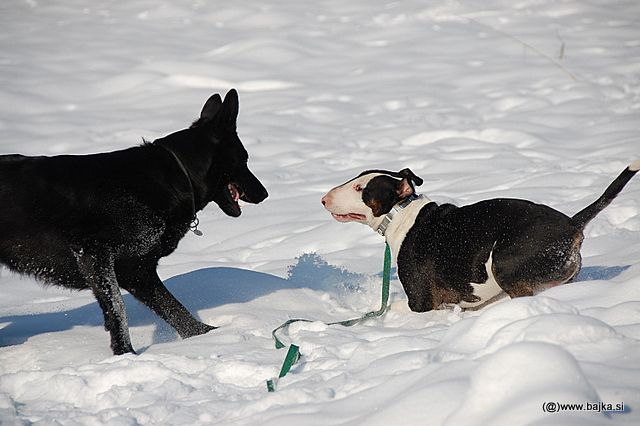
[471, 255]
[103, 221]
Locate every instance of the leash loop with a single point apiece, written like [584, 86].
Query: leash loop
[293, 354]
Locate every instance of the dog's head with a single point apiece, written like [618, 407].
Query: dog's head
[229, 178]
[370, 195]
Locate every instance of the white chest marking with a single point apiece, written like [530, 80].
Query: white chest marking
[488, 292]
[402, 223]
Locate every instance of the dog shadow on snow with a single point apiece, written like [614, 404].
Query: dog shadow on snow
[211, 287]
[198, 290]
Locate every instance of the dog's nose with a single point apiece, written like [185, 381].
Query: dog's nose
[324, 200]
[263, 195]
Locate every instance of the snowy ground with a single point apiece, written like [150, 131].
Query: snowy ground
[536, 99]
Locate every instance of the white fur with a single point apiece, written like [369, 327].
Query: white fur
[346, 199]
[635, 166]
[485, 291]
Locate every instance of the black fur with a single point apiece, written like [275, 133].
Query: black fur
[448, 247]
[381, 194]
[103, 221]
[413, 179]
[584, 216]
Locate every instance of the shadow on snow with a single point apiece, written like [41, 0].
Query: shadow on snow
[197, 290]
[211, 287]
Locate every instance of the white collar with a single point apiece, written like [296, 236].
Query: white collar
[386, 221]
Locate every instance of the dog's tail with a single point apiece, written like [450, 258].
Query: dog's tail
[585, 215]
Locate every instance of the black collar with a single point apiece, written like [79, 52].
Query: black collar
[193, 225]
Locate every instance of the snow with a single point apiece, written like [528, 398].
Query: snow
[535, 99]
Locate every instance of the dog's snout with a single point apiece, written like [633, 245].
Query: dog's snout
[255, 197]
[263, 194]
[254, 191]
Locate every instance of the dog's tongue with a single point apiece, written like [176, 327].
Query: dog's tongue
[234, 192]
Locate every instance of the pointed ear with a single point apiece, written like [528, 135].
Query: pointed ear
[228, 114]
[405, 189]
[211, 107]
[408, 174]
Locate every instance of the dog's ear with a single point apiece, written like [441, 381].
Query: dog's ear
[405, 189]
[211, 107]
[409, 175]
[228, 114]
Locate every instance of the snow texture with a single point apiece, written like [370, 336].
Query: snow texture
[535, 99]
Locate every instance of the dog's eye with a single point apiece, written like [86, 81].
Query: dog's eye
[358, 187]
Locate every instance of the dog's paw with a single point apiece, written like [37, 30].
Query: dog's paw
[123, 350]
[196, 329]
[471, 298]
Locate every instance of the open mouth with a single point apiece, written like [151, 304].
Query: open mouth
[234, 192]
[231, 205]
[348, 217]
[228, 196]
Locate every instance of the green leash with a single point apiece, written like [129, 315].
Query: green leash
[293, 354]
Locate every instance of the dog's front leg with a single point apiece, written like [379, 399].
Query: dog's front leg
[418, 286]
[145, 285]
[97, 267]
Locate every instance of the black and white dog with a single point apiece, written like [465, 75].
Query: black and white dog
[103, 221]
[470, 255]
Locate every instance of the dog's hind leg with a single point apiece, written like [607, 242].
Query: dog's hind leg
[556, 261]
[145, 285]
[97, 267]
